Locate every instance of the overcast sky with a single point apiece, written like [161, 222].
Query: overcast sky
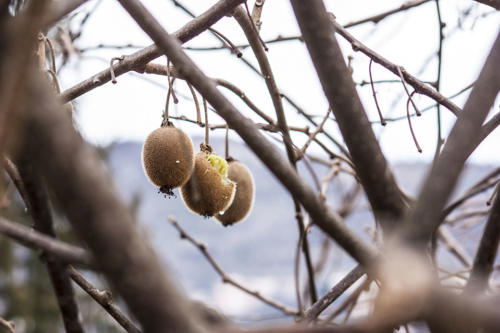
[132, 108]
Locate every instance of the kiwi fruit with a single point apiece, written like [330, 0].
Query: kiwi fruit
[167, 158]
[209, 190]
[244, 197]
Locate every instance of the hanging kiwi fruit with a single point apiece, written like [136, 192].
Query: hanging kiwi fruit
[244, 197]
[209, 191]
[245, 190]
[167, 155]
[167, 158]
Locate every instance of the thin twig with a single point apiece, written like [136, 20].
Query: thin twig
[492, 196]
[410, 125]
[35, 240]
[382, 120]
[8, 325]
[54, 80]
[418, 85]
[255, 28]
[234, 49]
[482, 185]
[334, 293]
[104, 298]
[205, 109]
[377, 18]
[111, 70]
[166, 117]
[139, 59]
[247, 25]
[52, 54]
[454, 246]
[225, 278]
[313, 134]
[417, 112]
[196, 104]
[226, 143]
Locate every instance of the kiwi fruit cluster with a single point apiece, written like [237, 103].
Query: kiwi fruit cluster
[209, 184]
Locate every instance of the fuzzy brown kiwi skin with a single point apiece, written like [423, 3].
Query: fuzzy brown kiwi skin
[168, 158]
[205, 193]
[244, 197]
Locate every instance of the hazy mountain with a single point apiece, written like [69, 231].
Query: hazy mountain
[260, 251]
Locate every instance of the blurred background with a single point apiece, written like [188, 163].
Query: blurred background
[260, 251]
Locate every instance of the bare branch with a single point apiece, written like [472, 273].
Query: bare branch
[8, 325]
[325, 218]
[334, 293]
[492, 3]
[96, 212]
[59, 9]
[486, 252]
[371, 165]
[35, 240]
[442, 179]
[225, 278]
[42, 216]
[258, 49]
[104, 299]
[139, 59]
[418, 85]
[379, 17]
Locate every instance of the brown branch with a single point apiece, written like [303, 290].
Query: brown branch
[371, 165]
[35, 240]
[8, 325]
[104, 299]
[379, 17]
[225, 278]
[316, 131]
[482, 185]
[59, 9]
[418, 85]
[252, 35]
[43, 222]
[325, 218]
[99, 217]
[440, 183]
[486, 252]
[334, 293]
[257, 13]
[139, 59]
[492, 3]
[226, 43]
[454, 246]
[382, 120]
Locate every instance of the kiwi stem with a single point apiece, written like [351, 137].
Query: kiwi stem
[54, 80]
[111, 70]
[196, 103]
[166, 121]
[206, 122]
[227, 142]
[171, 83]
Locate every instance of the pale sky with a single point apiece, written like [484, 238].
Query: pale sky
[132, 108]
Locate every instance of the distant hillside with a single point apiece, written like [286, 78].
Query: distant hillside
[259, 251]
